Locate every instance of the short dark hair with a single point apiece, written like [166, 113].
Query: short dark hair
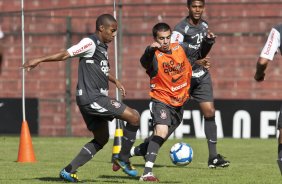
[104, 19]
[160, 27]
[189, 2]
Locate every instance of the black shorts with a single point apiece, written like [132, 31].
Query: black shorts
[279, 122]
[101, 111]
[164, 114]
[201, 89]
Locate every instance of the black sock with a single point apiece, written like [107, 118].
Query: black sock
[128, 139]
[280, 151]
[141, 149]
[211, 135]
[86, 154]
[152, 152]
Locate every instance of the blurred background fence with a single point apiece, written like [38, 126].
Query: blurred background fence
[242, 27]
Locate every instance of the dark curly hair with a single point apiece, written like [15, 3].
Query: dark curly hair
[189, 2]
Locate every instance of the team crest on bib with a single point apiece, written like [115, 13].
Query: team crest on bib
[116, 104]
[163, 114]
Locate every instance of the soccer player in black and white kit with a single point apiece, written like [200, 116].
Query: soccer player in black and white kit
[92, 96]
[194, 31]
[271, 47]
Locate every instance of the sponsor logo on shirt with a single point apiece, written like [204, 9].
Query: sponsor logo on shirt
[90, 61]
[176, 79]
[105, 67]
[78, 51]
[196, 47]
[178, 87]
[269, 44]
[172, 69]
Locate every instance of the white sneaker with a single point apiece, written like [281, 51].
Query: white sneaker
[149, 177]
[132, 153]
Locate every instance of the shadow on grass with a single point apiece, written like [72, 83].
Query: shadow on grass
[156, 165]
[116, 178]
[110, 177]
[170, 166]
[102, 178]
[49, 179]
[56, 179]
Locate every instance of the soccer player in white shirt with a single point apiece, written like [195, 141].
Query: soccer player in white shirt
[271, 47]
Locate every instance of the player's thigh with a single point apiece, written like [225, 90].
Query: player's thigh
[163, 114]
[160, 113]
[107, 107]
[201, 89]
[131, 116]
[177, 117]
[101, 132]
[92, 120]
[104, 109]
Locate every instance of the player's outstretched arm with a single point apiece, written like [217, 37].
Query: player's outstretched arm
[60, 56]
[118, 84]
[260, 69]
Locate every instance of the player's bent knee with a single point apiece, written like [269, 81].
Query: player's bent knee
[209, 113]
[131, 116]
[162, 134]
[102, 139]
[98, 144]
[134, 117]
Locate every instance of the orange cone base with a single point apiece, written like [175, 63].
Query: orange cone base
[26, 153]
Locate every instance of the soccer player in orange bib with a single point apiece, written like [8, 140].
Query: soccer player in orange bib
[170, 75]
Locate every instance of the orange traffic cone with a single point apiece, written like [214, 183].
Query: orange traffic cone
[26, 153]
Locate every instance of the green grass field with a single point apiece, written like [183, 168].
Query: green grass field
[253, 161]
